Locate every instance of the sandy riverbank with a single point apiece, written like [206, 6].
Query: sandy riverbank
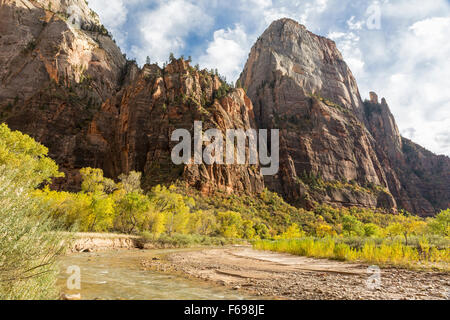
[285, 276]
[93, 242]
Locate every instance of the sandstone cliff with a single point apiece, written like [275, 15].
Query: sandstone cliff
[66, 83]
[299, 83]
[133, 129]
[58, 65]
[418, 179]
[335, 148]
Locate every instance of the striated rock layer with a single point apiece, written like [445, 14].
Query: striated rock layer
[418, 179]
[55, 75]
[299, 83]
[133, 129]
[66, 83]
[335, 148]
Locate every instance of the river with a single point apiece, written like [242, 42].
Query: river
[114, 275]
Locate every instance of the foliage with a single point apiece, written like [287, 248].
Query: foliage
[183, 240]
[441, 224]
[293, 232]
[316, 183]
[351, 226]
[230, 224]
[29, 239]
[104, 205]
[28, 158]
[387, 253]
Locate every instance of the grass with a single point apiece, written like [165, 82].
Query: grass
[83, 235]
[184, 240]
[386, 253]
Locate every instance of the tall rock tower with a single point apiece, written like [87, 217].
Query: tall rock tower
[300, 84]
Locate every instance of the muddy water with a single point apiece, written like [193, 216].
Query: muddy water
[117, 275]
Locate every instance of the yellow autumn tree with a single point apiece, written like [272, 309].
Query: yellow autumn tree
[293, 232]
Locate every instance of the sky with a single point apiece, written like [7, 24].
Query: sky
[398, 48]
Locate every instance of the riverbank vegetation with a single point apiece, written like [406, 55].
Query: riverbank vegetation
[33, 216]
[30, 239]
[382, 252]
[176, 216]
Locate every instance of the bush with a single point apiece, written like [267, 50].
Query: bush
[29, 238]
[384, 253]
[29, 244]
[441, 224]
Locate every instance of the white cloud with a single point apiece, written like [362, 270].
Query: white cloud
[408, 10]
[304, 12]
[348, 45]
[443, 140]
[113, 16]
[164, 29]
[227, 52]
[407, 61]
[355, 25]
[417, 82]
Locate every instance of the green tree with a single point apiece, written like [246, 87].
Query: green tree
[92, 180]
[441, 224]
[30, 240]
[351, 226]
[174, 206]
[230, 224]
[202, 222]
[103, 213]
[262, 231]
[248, 229]
[19, 152]
[131, 182]
[371, 229]
[131, 212]
[393, 230]
[293, 232]
[156, 222]
[411, 226]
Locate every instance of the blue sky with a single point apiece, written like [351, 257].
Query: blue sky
[397, 48]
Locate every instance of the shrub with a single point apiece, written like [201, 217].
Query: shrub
[386, 253]
[29, 238]
[441, 224]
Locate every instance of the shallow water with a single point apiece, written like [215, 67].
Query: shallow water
[113, 275]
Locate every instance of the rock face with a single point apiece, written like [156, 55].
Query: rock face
[66, 83]
[418, 179]
[58, 65]
[133, 129]
[335, 148]
[300, 84]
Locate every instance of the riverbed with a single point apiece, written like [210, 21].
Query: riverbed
[117, 275]
[213, 274]
[284, 276]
